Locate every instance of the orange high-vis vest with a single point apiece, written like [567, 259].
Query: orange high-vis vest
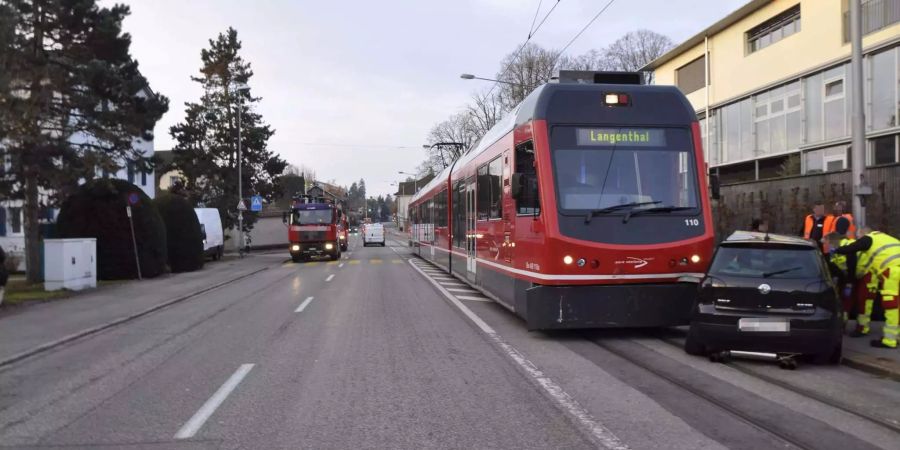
[811, 222]
[851, 232]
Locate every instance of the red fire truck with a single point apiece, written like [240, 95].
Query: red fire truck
[315, 227]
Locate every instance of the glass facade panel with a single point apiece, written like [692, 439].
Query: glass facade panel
[747, 139]
[731, 132]
[813, 107]
[813, 160]
[884, 90]
[884, 150]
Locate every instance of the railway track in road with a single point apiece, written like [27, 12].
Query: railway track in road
[762, 414]
[884, 422]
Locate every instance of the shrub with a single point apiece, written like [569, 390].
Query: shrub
[183, 232]
[97, 210]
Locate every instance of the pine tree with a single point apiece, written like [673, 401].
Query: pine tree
[72, 102]
[206, 148]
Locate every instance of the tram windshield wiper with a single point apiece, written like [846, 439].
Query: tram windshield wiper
[658, 209]
[597, 212]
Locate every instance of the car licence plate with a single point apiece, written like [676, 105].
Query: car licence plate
[764, 325]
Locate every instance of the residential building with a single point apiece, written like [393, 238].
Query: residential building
[405, 192]
[12, 226]
[770, 84]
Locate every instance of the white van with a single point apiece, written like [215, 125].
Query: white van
[211, 225]
[373, 233]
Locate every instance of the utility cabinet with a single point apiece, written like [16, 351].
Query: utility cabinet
[70, 264]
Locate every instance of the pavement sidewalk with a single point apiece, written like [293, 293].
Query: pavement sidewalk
[880, 361]
[26, 329]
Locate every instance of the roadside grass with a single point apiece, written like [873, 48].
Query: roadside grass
[19, 292]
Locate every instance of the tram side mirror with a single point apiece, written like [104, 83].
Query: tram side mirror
[714, 186]
[516, 185]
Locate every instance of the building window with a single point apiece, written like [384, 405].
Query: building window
[830, 159]
[884, 90]
[883, 150]
[774, 29]
[834, 103]
[876, 15]
[15, 221]
[691, 76]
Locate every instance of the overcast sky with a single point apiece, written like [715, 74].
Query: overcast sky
[352, 88]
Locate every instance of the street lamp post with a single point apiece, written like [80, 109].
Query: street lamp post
[415, 180]
[469, 76]
[239, 88]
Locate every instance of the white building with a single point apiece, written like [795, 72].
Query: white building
[12, 223]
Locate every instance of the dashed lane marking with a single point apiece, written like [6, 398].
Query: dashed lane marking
[374, 261]
[396, 261]
[206, 411]
[600, 434]
[354, 262]
[303, 305]
[340, 265]
[330, 277]
[331, 263]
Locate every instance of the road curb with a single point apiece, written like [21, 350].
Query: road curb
[872, 364]
[124, 319]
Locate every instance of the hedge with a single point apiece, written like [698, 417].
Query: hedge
[98, 210]
[183, 232]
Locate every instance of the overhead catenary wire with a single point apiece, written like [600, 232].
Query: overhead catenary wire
[532, 31]
[594, 19]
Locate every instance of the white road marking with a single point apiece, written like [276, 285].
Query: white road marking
[340, 265]
[330, 277]
[451, 283]
[206, 411]
[303, 305]
[600, 433]
[462, 290]
[469, 297]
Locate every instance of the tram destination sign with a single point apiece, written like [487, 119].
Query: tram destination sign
[632, 137]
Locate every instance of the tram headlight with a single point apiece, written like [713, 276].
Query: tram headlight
[567, 259]
[329, 246]
[295, 248]
[695, 259]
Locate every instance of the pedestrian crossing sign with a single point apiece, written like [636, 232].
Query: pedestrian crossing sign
[256, 203]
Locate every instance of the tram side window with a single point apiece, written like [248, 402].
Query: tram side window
[459, 213]
[441, 210]
[528, 201]
[495, 172]
[484, 193]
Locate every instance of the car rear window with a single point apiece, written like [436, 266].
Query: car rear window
[766, 262]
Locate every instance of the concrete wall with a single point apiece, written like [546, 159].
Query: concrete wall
[734, 72]
[268, 232]
[785, 202]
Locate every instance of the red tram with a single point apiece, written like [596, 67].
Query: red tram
[586, 207]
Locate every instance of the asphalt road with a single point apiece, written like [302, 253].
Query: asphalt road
[369, 352]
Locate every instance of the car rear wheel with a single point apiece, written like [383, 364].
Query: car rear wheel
[692, 346]
[832, 357]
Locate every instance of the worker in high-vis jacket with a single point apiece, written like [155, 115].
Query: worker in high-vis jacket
[878, 254]
[859, 288]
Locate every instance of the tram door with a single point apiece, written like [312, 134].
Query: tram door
[470, 228]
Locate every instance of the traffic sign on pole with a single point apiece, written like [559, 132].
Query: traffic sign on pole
[256, 203]
[241, 206]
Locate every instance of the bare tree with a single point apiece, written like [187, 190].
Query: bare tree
[635, 50]
[591, 60]
[485, 111]
[458, 128]
[523, 71]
